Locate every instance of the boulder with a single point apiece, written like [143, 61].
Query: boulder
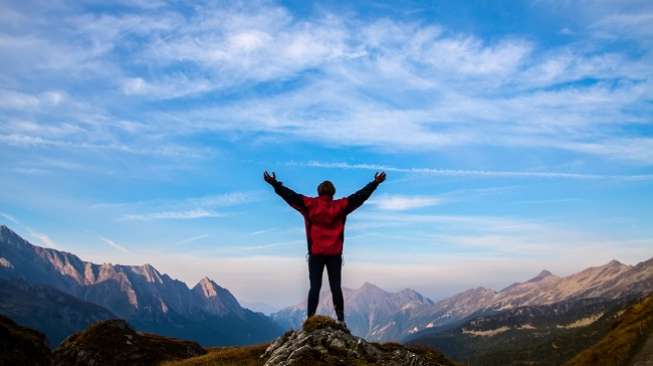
[323, 341]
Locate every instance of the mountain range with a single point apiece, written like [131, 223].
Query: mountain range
[66, 294]
[380, 315]
[147, 299]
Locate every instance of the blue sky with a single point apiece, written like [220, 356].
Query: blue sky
[516, 136]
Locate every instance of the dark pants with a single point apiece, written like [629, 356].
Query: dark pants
[316, 264]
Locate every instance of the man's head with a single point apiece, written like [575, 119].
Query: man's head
[326, 188]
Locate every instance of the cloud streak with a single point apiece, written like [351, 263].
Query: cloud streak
[172, 215]
[114, 245]
[404, 202]
[472, 173]
[45, 240]
[192, 239]
[9, 217]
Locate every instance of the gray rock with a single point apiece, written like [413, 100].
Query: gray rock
[328, 343]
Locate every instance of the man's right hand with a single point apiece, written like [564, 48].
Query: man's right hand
[379, 177]
[271, 179]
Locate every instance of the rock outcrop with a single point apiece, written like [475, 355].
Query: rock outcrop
[22, 346]
[113, 342]
[322, 341]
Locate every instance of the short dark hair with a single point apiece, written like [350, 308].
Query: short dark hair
[326, 188]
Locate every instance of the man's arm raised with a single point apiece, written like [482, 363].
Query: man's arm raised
[294, 199]
[355, 200]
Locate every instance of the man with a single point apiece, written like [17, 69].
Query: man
[324, 218]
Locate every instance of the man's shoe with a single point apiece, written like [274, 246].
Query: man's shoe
[342, 322]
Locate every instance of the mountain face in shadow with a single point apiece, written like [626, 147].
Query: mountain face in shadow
[22, 346]
[47, 309]
[149, 300]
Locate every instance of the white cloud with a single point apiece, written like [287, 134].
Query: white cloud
[471, 173]
[12, 99]
[378, 83]
[114, 245]
[9, 217]
[179, 209]
[172, 215]
[403, 202]
[192, 239]
[45, 240]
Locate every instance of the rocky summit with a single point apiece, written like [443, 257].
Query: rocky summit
[113, 342]
[323, 341]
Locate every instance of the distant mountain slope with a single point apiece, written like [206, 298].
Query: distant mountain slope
[261, 307]
[629, 340]
[370, 311]
[379, 315]
[48, 310]
[534, 335]
[547, 288]
[149, 300]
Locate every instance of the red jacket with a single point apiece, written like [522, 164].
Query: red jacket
[325, 217]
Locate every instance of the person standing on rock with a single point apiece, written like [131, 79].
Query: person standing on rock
[324, 219]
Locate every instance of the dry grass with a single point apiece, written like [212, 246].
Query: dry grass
[225, 356]
[623, 340]
[320, 322]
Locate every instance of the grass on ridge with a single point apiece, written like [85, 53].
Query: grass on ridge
[225, 356]
[623, 340]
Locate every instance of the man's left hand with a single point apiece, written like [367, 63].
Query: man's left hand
[271, 179]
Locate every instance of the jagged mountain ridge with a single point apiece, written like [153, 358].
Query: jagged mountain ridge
[140, 294]
[368, 309]
[611, 281]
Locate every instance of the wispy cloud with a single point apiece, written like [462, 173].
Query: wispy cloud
[213, 201]
[179, 209]
[469, 222]
[372, 77]
[114, 245]
[9, 217]
[192, 239]
[45, 240]
[404, 202]
[470, 173]
[172, 215]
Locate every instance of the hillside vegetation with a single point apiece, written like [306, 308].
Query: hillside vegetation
[226, 356]
[536, 335]
[624, 339]
[22, 346]
[115, 343]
